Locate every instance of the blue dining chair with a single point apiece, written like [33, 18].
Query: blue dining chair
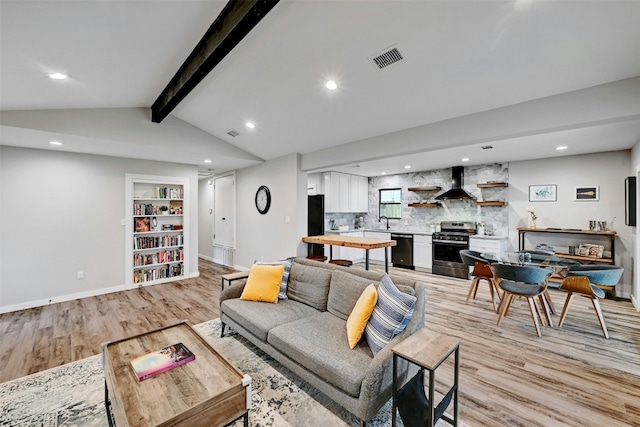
[605, 277]
[580, 285]
[526, 282]
[481, 271]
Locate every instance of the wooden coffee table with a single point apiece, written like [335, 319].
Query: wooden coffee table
[207, 391]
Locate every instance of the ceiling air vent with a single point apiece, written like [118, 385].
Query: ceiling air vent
[387, 57]
[233, 133]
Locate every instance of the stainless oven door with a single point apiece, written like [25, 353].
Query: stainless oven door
[447, 260]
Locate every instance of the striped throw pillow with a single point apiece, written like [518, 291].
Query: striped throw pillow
[282, 294]
[390, 315]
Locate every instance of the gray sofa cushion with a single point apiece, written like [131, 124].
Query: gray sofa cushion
[309, 285]
[260, 317]
[344, 292]
[319, 343]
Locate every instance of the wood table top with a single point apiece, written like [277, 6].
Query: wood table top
[426, 348]
[208, 383]
[349, 241]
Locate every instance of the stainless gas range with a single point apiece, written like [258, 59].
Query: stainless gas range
[447, 244]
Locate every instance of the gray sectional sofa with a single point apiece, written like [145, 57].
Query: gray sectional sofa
[307, 332]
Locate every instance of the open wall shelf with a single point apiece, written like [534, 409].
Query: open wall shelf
[492, 184]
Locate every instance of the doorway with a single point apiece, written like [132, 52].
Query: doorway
[224, 221]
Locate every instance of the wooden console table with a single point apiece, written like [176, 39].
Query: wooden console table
[610, 235]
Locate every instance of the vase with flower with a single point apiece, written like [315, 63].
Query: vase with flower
[532, 217]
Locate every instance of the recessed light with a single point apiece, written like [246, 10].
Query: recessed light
[562, 147]
[250, 125]
[407, 167]
[465, 159]
[59, 76]
[383, 173]
[331, 85]
[207, 160]
[55, 143]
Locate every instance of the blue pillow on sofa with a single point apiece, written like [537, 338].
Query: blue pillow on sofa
[390, 315]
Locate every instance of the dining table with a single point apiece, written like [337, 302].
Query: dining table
[365, 243]
[557, 264]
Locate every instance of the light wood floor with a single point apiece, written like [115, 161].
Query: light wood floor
[572, 376]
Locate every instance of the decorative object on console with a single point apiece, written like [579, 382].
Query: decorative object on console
[542, 193]
[587, 193]
[532, 217]
[589, 250]
[544, 248]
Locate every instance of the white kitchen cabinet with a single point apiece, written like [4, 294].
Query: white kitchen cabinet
[344, 193]
[422, 251]
[378, 254]
[359, 194]
[487, 244]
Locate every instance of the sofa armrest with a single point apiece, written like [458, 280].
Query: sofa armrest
[378, 379]
[231, 292]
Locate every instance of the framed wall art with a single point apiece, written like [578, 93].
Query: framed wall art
[591, 192]
[543, 193]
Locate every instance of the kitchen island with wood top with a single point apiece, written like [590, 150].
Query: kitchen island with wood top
[353, 242]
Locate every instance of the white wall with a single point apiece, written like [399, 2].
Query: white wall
[270, 236]
[205, 218]
[606, 170]
[61, 213]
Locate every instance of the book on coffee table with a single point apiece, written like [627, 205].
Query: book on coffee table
[157, 362]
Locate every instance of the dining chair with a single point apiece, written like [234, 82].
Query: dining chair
[605, 277]
[481, 271]
[581, 285]
[526, 282]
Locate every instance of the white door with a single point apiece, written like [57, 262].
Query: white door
[224, 212]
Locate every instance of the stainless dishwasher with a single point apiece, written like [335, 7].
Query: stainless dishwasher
[402, 253]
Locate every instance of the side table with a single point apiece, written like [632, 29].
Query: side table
[234, 276]
[428, 349]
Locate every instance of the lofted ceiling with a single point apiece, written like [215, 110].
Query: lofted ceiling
[521, 76]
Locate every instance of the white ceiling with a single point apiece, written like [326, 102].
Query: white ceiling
[464, 61]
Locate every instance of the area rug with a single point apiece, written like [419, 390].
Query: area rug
[73, 394]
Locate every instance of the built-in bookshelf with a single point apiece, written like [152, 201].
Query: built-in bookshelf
[157, 249]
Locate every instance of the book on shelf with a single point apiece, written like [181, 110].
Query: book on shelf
[157, 362]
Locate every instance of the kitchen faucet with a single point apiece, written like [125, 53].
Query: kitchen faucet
[384, 217]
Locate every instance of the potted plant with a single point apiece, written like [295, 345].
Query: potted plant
[164, 209]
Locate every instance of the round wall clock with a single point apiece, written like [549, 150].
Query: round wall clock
[263, 199]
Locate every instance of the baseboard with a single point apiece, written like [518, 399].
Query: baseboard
[62, 298]
[635, 303]
[207, 258]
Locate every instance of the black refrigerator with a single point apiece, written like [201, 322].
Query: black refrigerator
[315, 222]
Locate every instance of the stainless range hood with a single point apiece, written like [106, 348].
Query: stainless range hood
[456, 191]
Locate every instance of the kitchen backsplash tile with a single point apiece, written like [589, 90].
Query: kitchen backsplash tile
[495, 217]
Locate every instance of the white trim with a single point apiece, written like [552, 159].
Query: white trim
[205, 257]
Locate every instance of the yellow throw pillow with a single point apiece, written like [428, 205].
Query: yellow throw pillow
[357, 321]
[263, 283]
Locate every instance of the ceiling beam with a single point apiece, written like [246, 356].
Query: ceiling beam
[235, 21]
